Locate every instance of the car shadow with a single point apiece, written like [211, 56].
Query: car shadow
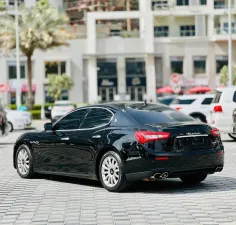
[163, 186]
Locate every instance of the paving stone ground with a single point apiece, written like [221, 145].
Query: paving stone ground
[59, 200]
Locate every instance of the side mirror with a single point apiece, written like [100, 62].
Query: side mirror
[48, 126]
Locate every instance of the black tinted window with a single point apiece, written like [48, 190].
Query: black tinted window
[166, 101]
[71, 121]
[96, 117]
[207, 101]
[183, 101]
[217, 97]
[234, 98]
[155, 114]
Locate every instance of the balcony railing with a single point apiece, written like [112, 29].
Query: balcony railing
[224, 31]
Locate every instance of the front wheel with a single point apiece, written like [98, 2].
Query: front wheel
[111, 172]
[233, 136]
[24, 162]
[194, 178]
[10, 126]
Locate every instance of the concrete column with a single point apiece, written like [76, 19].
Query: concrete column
[151, 78]
[200, 25]
[211, 29]
[91, 35]
[211, 66]
[149, 34]
[210, 4]
[121, 75]
[92, 80]
[188, 65]
[166, 67]
[144, 6]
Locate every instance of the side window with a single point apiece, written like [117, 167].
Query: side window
[207, 101]
[234, 98]
[71, 121]
[96, 117]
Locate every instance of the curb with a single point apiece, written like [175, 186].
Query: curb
[7, 143]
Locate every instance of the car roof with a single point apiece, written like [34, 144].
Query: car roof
[196, 96]
[63, 102]
[121, 105]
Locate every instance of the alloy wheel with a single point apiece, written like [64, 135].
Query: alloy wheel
[23, 162]
[110, 171]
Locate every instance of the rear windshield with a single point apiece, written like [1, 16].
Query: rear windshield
[183, 101]
[155, 114]
[217, 97]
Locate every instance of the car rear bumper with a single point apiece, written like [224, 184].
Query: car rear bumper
[176, 164]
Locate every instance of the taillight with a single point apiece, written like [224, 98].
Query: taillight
[215, 132]
[178, 108]
[148, 136]
[218, 108]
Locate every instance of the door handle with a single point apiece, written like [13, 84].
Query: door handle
[97, 136]
[65, 139]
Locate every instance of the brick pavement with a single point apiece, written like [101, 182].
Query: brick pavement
[59, 200]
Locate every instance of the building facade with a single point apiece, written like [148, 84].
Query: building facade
[110, 62]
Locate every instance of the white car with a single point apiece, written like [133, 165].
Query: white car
[18, 120]
[60, 109]
[221, 111]
[197, 106]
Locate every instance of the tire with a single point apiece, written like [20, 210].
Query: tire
[199, 118]
[112, 164]
[233, 136]
[194, 178]
[23, 155]
[10, 126]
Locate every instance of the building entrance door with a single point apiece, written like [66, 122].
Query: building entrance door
[136, 93]
[107, 93]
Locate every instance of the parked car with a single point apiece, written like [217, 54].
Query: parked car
[221, 110]
[60, 109]
[119, 143]
[197, 106]
[18, 120]
[3, 121]
[166, 100]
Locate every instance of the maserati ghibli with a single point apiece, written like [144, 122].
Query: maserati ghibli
[119, 143]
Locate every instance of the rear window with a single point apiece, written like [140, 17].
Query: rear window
[166, 101]
[183, 101]
[155, 114]
[217, 97]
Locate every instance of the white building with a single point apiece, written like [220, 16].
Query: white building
[184, 36]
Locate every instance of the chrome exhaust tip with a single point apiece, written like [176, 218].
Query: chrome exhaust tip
[219, 169]
[164, 175]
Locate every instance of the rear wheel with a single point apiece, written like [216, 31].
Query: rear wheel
[193, 178]
[233, 136]
[111, 172]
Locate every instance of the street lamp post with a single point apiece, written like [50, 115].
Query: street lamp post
[229, 43]
[18, 83]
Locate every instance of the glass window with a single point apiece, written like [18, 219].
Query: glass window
[12, 70]
[159, 4]
[96, 118]
[187, 30]
[216, 99]
[199, 64]
[207, 101]
[161, 31]
[106, 67]
[221, 61]
[219, 4]
[55, 67]
[155, 114]
[71, 121]
[135, 67]
[183, 101]
[177, 65]
[182, 2]
[203, 2]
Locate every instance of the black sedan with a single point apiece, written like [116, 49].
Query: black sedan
[119, 143]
